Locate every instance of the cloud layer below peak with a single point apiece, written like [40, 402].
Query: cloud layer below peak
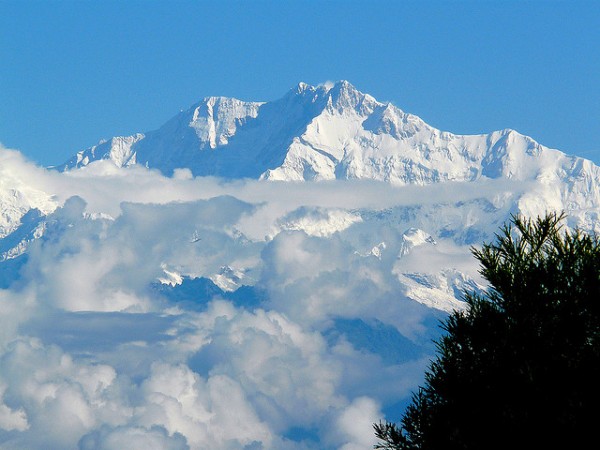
[289, 316]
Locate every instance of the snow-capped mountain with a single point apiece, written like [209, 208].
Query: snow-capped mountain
[330, 132]
[327, 132]
[18, 195]
[296, 301]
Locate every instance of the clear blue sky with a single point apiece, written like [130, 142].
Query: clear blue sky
[73, 72]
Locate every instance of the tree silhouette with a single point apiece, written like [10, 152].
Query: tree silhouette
[520, 367]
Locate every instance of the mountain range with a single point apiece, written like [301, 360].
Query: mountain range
[328, 132]
[331, 132]
[293, 257]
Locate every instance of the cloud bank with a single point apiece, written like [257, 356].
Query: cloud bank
[323, 330]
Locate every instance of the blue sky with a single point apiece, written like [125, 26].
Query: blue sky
[74, 72]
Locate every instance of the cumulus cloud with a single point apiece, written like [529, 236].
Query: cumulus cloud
[96, 353]
[11, 419]
[354, 421]
[134, 438]
[212, 412]
[58, 397]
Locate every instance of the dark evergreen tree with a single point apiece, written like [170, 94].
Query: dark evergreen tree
[520, 368]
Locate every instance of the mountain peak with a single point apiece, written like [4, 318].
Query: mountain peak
[344, 85]
[303, 87]
[345, 97]
[338, 88]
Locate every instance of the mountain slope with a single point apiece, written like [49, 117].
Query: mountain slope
[18, 193]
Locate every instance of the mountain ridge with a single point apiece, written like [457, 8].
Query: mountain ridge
[319, 132]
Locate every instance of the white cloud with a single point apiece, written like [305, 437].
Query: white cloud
[60, 398]
[93, 356]
[11, 419]
[211, 412]
[355, 424]
[132, 437]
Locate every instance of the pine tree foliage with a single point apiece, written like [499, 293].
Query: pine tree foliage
[520, 368]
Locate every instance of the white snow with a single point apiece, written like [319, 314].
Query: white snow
[18, 192]
[230, 279]
[414, 237]
[437, 290]
[170, 277]
[321, 222]
[118, 149]
[216, 119]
